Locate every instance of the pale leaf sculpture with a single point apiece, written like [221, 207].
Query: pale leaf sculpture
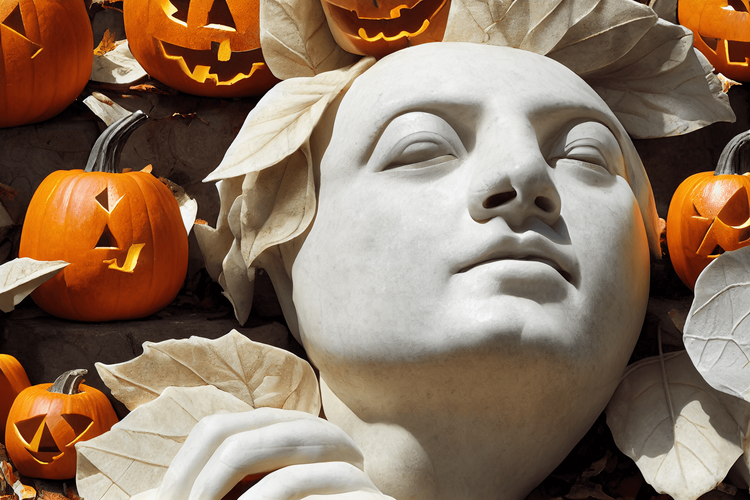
[134, 455]
[20, 277]
[717, 331]
[683, 435]
[258, 374]
[459, 236]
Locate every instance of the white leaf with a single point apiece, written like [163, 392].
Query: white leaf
[135, 454]
[117, 66]
[20, 277]
[105, 108]
[683, 435]
[717, 331]
[248, 370]
[283, 121]
[296, 40]
[644, 68]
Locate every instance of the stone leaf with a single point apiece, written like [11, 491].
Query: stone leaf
[19, 277]
[117, 66]
[258, 374]
[296, 40]
[283, 120]
[105, 108]
[683, 435]
[135, 454]
[644, 68]
[717, 330]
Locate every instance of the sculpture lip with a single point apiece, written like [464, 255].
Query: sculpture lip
[534, 248]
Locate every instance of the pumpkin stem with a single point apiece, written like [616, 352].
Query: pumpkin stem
[105, 155]
[735, 158]
[69, 382]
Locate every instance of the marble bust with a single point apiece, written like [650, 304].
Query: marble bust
[471, 287]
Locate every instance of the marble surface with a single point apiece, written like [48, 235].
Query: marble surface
[474, 280]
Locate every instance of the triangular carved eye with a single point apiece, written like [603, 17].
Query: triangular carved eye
[14, 21]
[79, 423]
[29, 427]
[182, 7]
[220, 15]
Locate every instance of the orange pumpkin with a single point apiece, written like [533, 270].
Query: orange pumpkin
[121, 232]
[47, 420]
[381, 27]
[45, 58]
[710, 213]
[721, 30]
[202, 47]
[13, 379]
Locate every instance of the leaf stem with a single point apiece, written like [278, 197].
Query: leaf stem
[664, 379]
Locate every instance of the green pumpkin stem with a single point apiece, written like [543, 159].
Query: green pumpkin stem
[105, 155]
[735, 158]
[69, 382]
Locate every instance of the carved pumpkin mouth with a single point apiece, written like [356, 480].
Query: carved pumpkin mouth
[403, 22]
[220, 64]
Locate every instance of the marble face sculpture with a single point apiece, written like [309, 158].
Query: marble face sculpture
[471, 288]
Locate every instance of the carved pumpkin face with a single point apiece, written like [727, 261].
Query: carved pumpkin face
[203, 47]
[721, 31]
[45, 60]
[43, 428]
[709, 214]
[123, 236]
[377, 28]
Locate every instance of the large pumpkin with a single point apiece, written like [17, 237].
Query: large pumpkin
[46, 53]
[721, 30]
[377, 28]
[47, 420]
[202, 47]
[121, 232]
[710, 213]
[13, 380]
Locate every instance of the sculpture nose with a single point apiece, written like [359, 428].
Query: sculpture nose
[515, 189]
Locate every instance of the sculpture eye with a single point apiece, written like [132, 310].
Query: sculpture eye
[414, 141]
[592, 144]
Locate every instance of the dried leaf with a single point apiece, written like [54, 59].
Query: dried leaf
[7, 192]
[188, 205]
[134, 455]
[22, 491]
[717, 332]
[258, 374]
[296, 39]
[683, 435]
[148, 87]
[283, 121]
[644, 68]
[20, 277]
[51, 495]
[106, 45]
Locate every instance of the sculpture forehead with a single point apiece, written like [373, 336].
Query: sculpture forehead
[478, 76]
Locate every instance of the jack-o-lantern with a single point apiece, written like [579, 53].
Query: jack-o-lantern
[122, 233]
[377, 28]
[47, 420]
[710, 213]
[202, 47]
[45, 58]
[721, 30]
[13, 380]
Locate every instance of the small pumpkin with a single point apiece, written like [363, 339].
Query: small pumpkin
[13, 379]
[121, 232]
[710, 212]
[721, 31]
[45, 58]
[47, 420]
[382, 27]
[202, 47]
